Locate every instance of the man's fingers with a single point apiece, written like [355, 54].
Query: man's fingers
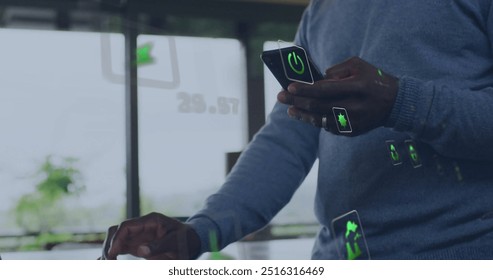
[338, 72]
[164, 248]
[320, 106]
[123, 233]
[144, 251]
[328, 89]
[309, 117]
[284, 97]
[314, 119]
[343, 70]
[343, 78]
[153, 236]
[135, 232]
[175, 245]
[107, 242]
[311, 105]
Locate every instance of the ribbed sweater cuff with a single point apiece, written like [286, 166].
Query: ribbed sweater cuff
[204, 226]
[404, 112]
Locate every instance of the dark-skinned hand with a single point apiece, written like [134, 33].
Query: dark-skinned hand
[154, 237]
[367, 93]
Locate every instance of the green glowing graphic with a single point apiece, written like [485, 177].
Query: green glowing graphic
[144, 56]
[380, 73]
[342, 120]
[393, 153]
[293, 56]
[413, 153]
[215, 255]
[214, 248]
[352, 227]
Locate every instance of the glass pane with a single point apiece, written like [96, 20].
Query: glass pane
[192, 113]
[62, 144]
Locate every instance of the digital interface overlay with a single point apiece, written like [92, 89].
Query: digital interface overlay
[296, 65]
[350, 238]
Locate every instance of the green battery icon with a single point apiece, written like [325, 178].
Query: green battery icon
[413, 153]
[342, 120]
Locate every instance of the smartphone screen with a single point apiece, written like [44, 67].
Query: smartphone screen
[291, 64]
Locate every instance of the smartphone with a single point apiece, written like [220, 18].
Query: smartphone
[291, 64]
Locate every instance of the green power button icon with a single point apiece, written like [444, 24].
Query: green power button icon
[299, 66]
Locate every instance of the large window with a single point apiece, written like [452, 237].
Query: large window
[63, 121]
[192, 113]
[62, 167]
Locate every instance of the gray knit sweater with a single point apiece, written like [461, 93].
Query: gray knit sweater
[440, 206]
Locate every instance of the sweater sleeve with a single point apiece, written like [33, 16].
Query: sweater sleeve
[455, 122]
[262, 182]
[265, 177]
